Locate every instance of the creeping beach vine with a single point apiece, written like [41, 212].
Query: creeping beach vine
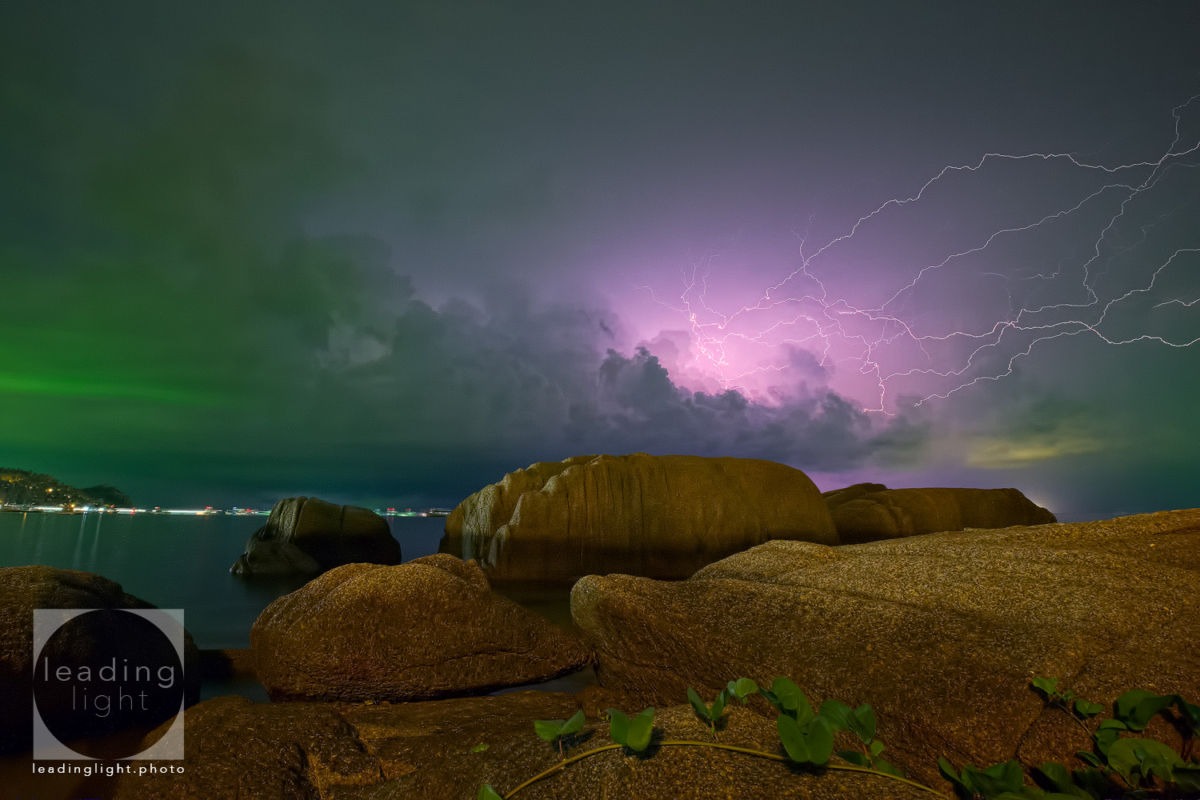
[1122, 764]
[807, 737]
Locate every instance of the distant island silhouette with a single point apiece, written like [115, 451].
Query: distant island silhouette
[21, 487]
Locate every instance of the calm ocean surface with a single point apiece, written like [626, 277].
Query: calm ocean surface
[174, 562]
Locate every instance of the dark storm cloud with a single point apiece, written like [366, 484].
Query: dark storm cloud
[535, 377]
[203, 320]
[207, 212]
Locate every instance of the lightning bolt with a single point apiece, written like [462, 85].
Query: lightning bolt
[880, 340]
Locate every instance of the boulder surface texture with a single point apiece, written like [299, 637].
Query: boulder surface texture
[237, 749]
[426, 629]
[306, 536]
[659, 516]
[940, 634]
[867, 512]
[23, 589]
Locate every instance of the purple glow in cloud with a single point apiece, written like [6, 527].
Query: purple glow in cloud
[949, 287]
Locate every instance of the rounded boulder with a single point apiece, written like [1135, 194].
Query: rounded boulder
[427, 629]
[655, 516]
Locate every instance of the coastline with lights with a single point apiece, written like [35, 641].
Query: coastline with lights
[19, 508]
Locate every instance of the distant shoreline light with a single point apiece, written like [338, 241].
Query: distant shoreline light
[17, 508]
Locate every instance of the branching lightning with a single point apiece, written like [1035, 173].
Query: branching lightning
[898, 347]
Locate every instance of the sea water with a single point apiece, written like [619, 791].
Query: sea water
[175, 562]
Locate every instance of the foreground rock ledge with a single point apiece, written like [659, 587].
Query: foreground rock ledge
[661, 516]
[939, 633]
[426, 629]
[237, 749]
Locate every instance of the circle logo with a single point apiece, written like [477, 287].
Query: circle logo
[105, 678]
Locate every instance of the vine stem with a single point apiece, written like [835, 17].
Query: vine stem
[715, 746]
[1070, 713]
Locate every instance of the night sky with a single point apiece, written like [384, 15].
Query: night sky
[384, 252]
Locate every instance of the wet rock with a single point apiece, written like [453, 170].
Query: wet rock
[306, 536]
[660, 516]
[426, 629]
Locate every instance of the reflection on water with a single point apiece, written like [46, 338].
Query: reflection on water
[174, 562]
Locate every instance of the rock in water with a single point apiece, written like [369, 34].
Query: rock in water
[940, 634]
[867, 512]
[660, 516]
[306, 536]
[90, 639]
[426, 629]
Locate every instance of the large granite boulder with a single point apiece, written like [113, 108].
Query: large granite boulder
[867, 512]
[940, 633]
[306, 536]
[426, 629]
[333, 751]
[660, 516]
[91, 640]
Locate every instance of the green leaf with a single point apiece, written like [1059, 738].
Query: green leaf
[789, 694]
[1086, 709]
[640, 729]
[618, 726]
[979, 782]
[718, 706]
[1107, 733]
[479, 748]
[1187, 778]
[549, 729]
[1127, 754]
[1191, 714]
[1058, 775]
[1104, 740]
[573, 724]
[991, 782]
[1145, 710]
[1047, 686]
[1009, 774]
[794, 741]
[837, 713]
[1127, 702]
[862, 723]
[742, 688]
[705, 712]
[1088, 758]
[887, 768]
[791, 700]
[1094, 782]
[947, 770]
[854, 757]
[876, 747]
[1155, 766]
[820, 742]
[486, 792]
